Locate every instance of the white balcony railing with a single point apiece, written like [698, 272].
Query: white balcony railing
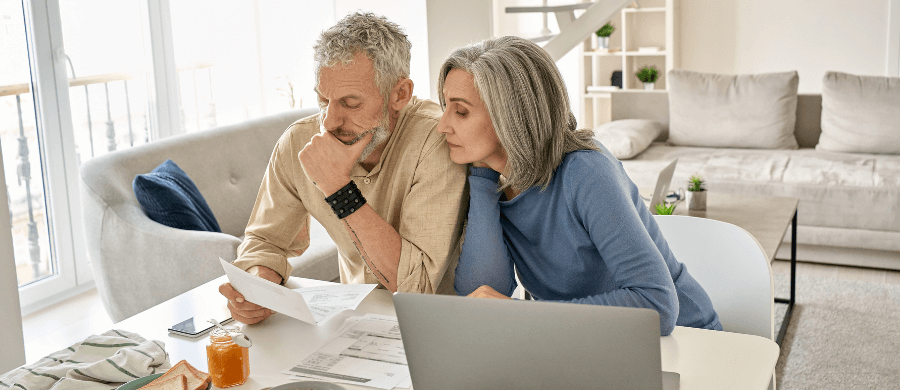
[26, 197]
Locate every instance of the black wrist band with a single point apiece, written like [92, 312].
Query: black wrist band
[346, 200]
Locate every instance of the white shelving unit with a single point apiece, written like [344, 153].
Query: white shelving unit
[652, 24]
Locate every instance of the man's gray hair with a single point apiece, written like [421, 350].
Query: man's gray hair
[527, 101]
[381, 40]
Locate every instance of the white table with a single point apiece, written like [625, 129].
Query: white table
[705, 359]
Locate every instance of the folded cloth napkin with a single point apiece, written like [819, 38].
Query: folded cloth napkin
[99, 362]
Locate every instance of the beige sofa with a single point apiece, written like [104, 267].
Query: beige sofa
[849, 210]
[138, 263]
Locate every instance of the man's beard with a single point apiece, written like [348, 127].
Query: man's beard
[380, 134]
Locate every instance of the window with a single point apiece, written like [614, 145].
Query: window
[82, 79]
[19, 139]
[108, 86]
[245, 60]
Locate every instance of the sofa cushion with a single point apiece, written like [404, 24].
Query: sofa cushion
[168, 196]
[840, 190]
[628, 137]
[860, 114]
[733, 111]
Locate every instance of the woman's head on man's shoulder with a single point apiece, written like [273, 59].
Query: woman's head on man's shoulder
[510, 87]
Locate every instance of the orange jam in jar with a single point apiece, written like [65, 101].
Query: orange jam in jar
[229, 363]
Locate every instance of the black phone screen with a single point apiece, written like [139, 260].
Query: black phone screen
[194, 328]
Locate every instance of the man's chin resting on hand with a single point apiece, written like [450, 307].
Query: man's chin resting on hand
[248, 312]
[392, 202]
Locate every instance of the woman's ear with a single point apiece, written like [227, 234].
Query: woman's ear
[401, 95]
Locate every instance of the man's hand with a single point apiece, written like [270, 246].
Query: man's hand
[486, 291]
[247, 312]
[327, 162]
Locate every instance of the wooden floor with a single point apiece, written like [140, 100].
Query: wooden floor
[70, 321]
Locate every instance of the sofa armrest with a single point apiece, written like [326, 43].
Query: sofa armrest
[138, 263]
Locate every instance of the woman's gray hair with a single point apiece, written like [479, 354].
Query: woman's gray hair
[381, 40]
[527, 101]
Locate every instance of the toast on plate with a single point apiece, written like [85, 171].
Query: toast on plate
[177, 382]
[194, 378]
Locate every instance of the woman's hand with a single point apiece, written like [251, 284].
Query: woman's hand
[486, 291]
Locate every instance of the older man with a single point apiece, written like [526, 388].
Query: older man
[370, 167]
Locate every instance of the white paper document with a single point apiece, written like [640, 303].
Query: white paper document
[310, 304]
[326, 301]
[365, 351]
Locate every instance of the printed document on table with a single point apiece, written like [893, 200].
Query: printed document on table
[311, 304]
[366, 351]
[326, 301]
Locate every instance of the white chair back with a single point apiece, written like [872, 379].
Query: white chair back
[730, 265]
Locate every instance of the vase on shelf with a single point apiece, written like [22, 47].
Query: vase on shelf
[649, 86]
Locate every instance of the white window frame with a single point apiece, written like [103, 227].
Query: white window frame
[58, 162]
[165, 109]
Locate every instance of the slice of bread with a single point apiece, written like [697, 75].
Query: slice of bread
[177, 382]
[206, 378]
[196, 379]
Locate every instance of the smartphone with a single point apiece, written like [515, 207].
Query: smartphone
[195, 328]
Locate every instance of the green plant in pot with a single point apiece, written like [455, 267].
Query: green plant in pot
[696, 195]
[663, 209]
[648, 75]
[603, 35]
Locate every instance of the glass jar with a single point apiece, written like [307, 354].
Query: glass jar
[229, 363]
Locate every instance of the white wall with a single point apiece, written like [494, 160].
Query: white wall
[11, 342]
[452, 24]
[812, 37]
[409, 14]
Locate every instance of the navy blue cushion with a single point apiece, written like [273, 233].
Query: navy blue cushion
[169, 196]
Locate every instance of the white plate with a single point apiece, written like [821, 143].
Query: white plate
[309, 385]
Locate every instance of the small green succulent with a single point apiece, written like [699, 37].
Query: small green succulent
[648, 74]
[662, 209]
[606, 30]
[695, 183]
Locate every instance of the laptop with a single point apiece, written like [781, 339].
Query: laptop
[662, 186]
[475, 343]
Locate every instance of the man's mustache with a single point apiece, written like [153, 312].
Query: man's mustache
[338, 132]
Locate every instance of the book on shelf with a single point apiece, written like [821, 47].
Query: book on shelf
[602, 88]
[648, 49]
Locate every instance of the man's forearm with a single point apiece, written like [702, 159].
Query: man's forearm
[377, 243]
[265, 273]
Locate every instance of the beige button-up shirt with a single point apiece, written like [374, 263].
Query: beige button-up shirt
[415, 188]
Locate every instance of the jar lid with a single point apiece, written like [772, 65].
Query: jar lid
[224, 335]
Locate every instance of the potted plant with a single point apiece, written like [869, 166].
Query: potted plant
[603, 35]
[663, 209]
[648, 76]
[696, 195]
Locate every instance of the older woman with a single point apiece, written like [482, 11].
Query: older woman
[549, 201]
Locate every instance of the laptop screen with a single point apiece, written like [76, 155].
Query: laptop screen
[474, 343]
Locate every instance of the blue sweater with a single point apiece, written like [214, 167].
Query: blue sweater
[587, 238]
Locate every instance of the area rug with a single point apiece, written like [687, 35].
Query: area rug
[843, 335]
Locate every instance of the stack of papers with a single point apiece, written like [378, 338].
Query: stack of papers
[312, 305]
[365, 351]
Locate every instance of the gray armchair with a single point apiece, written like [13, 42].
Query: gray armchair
[138, 263]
